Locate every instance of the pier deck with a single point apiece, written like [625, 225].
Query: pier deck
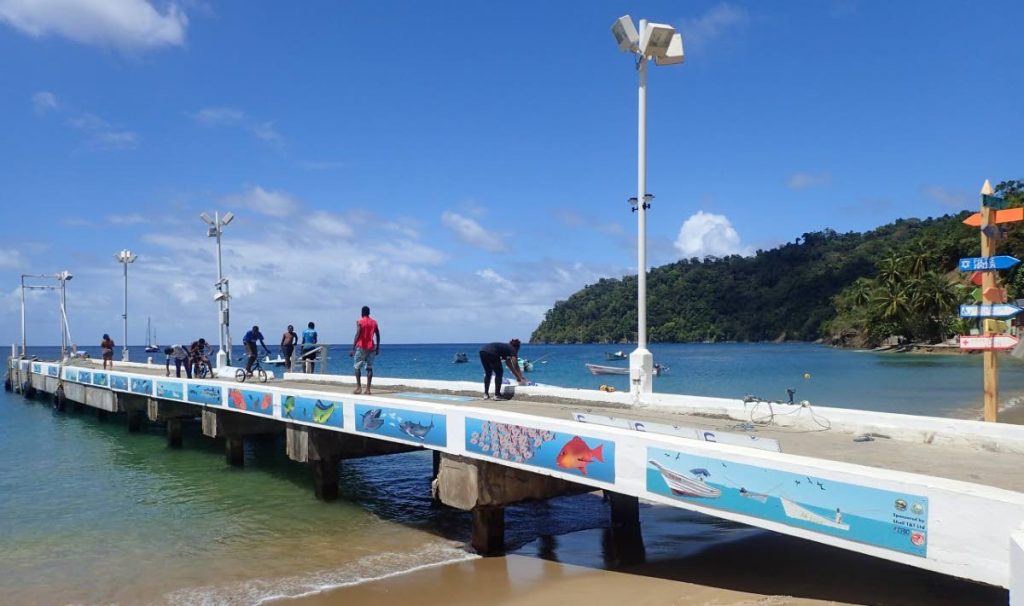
[945, 495]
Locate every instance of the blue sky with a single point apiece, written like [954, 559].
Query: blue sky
[460, 166]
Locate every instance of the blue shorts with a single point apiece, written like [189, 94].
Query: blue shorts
[364, 357]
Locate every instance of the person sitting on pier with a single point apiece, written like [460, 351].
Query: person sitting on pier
[249, 341]
[199, 354]
[107, 347]
[491, 356]
[180, 356]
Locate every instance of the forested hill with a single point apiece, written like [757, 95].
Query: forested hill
[784, 293]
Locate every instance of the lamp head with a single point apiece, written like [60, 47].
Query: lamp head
[64, 276]
[656, 39]
[227, 218]
[206, 217]
[625, 33]
[674, 54]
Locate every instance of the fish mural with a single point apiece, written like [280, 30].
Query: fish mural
[84, 377]
[171, 390]
[118, 382]
[312, 410]
[372, 419]
[37, 368]
[53, 371]
[99, 378]
[588, 457]
[416, 430]
[143, 386]
[204, 394]
[407, 425]
[251, 401]
[577, 455]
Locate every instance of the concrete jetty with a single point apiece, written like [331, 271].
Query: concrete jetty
[944, 495]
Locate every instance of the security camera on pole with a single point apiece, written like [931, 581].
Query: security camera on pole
[222, 296]
[663, 44]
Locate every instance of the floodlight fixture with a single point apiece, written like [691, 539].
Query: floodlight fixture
[206, 217]
[227, 218]
[656, 39]
[625, 33]
[212, 232]
[674, 54]
[64, 276]
[220, 296]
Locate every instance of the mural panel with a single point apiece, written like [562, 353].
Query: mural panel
[84, 377]
[202, 393]
[119, 382]
[312, 410]
[868, 515]
[170, 390]
[408, 425]
[261, 402]
[565, 452]
[99, 378]
[143, 386]
[53, 371]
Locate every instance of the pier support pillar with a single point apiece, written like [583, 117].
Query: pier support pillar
[234, 450]
[325, 478]
[323, 450]
[625, 509]
[488, 538]
[174, 433]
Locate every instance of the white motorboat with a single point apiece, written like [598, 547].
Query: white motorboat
[684, 486]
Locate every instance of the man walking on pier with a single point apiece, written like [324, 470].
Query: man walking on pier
[365, 348]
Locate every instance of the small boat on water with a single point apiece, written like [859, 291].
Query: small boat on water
[800, 513]
[684, 486]
[615, 355]
[278, 361]
[460, 358]
[600, 369]
[151, 346]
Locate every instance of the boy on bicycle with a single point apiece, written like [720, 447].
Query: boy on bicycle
[199, 353]
[249, 341]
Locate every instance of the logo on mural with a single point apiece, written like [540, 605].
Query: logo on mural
[857, 513]
[119, 382]
[204, 394]
[408, 425]
[251, 401]
[589, 457]
[144, 386]
[312, 410]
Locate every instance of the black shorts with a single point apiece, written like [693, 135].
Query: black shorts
[287, 351]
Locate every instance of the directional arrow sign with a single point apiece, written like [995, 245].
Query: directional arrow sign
[994, 294]
[1010, 215]
[988, 342]
[992, 310]
[985, 263]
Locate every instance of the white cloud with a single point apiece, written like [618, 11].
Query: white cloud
[803, 180]
[101, 134]
[44, 101]
[232, 117]
[954, 199]
[494, 277]
[718, 21]
[329, 224]
[470, 232]
[10, 258]
[129, 219]
[124, 24]
[706, 234]
[270, 203]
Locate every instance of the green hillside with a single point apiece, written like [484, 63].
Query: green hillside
[853, 288]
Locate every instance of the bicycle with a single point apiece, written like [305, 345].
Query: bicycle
[257, 370]
[203, 369]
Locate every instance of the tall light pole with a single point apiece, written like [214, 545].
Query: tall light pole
[60, 277]
[222, 296]
[125, 257]
[663, 44]
[65, 332]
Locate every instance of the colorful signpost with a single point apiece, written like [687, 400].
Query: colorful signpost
[990, 310]
[993, 212]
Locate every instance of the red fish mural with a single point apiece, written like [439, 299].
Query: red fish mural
[267, 400]
[237, 399]
[577, 455]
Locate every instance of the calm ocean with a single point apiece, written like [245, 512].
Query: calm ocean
[90, 513]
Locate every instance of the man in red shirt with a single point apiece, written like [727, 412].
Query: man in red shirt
[365, 348]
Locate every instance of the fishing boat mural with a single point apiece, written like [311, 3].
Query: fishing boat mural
[861, 513]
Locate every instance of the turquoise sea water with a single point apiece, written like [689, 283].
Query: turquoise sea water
[90, 513]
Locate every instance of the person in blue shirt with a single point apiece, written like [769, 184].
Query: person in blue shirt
[309, 337]
[249, 341]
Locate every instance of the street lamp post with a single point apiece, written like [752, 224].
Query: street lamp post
[60, 277]
[663, 44]
[65, 332]
[222, 296]
[125, 257]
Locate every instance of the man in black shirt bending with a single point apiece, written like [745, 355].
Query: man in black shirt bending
[491, 356]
